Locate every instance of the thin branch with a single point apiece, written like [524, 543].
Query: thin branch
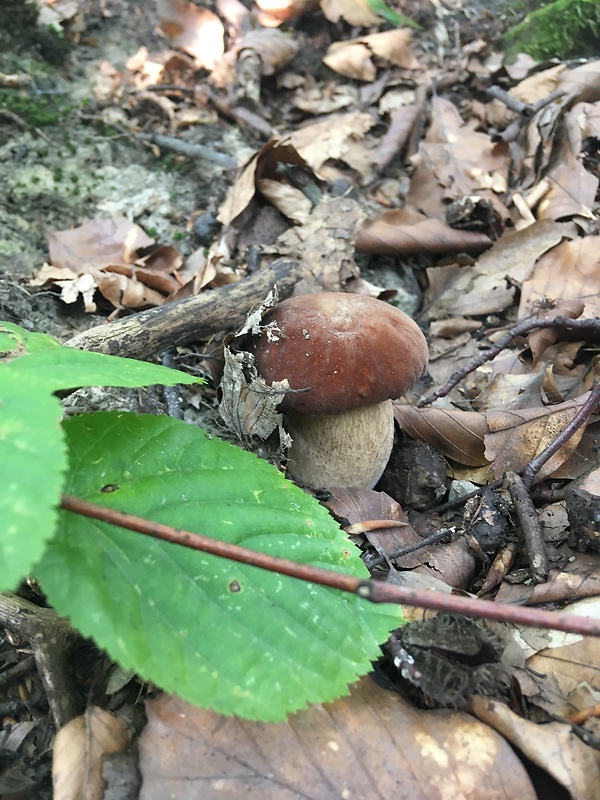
[373, 591]
[589, 329]
[578, 420]
[530, 526]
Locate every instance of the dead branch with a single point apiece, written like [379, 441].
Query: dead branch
[151, 332]
[530, 526]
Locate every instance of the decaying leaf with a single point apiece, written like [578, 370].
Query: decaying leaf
[196, 30]
[553, 747]
[518, 436]
[352, 58]
[355, 12]
[459, 435]
[78, 751]
[327, 752]
[408, 231]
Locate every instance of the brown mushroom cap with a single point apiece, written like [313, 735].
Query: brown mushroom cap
[347, 350]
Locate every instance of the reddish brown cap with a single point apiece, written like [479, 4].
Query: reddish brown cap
[347, 350]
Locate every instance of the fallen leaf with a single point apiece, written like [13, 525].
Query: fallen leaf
[78, 750]
[459, 435]
[355, 12]
[553, 747]
[370, 744]
[196, 30]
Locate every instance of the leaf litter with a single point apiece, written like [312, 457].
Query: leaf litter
[492, 197]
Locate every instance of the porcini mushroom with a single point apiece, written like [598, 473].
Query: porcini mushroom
[346, 357]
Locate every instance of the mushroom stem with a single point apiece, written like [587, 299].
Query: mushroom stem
[349, 450]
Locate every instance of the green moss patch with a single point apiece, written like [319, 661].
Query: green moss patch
[562, 29]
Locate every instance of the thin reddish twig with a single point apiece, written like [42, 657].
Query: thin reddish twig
[374, 591]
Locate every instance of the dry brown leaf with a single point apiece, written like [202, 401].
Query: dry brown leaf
[268, 164]
[553, 747]
[290, 201]
[355, 12]
[274, 12]
[455, 160]
[124, 292]
[569, 272]
[97, 244]
[567, 677]
[370, 744]
[196, 30]
[325, 99]
[274, 48]
[78, 750]
[573, 188]
[408, 231]
[336, 139]
[459, 435]
[402, 121]
[351, 59]
[393, 46]
[578, 579]
[482, 289]
[518, 436]
[582, 83]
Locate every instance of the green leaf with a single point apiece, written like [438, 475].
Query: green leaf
[32, 448]
[220, 634]
[381, 8]
[33, 460]
[60, 367]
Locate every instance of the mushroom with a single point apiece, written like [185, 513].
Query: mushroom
[346, 357]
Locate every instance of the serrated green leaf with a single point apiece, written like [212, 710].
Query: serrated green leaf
[32, 448]
[220, 634]
[60, 367]
[33, 460]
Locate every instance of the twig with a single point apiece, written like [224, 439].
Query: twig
[372, 591]
[578, 420]
[530, 525]
[149, 332]
[189, 149]
[587, 328]
[51, 639]
[434, 538]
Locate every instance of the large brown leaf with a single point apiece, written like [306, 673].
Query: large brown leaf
[369, 745]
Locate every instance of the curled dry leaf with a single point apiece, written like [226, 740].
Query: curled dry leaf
[335, 139]
[355, 12]
[575, 580]
[552, 747]
[370, 744]
[482, 289]
[454, 161]
[451, 563]
[274, 12]
[196, 30]
[78, 750]
[352, 58]
[269, 164]
[459, 435]
[569, 272]
[516, 437]
[274, 48]
[408, 231]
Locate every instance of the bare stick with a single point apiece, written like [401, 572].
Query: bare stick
[197, 151]
[530, 525]
[373, 591]
[578, 420]
[150, 332]
[51, 639]
[589, 329]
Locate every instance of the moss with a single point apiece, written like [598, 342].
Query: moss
[562, 29]
[38, 110]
